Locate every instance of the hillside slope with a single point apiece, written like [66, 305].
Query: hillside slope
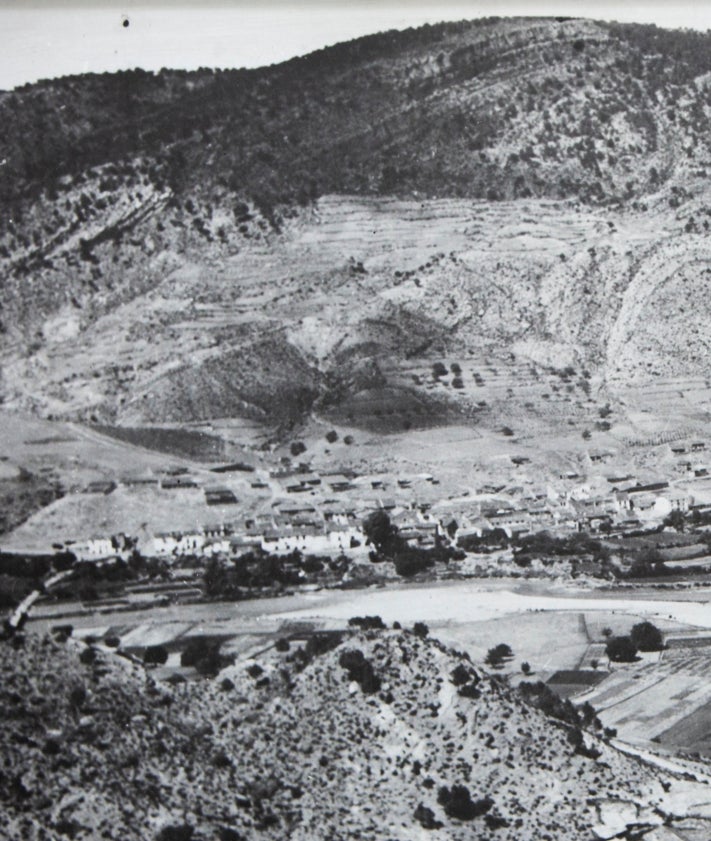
[323, 749]
[313, 236]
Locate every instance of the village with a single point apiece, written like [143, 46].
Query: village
[292, 507]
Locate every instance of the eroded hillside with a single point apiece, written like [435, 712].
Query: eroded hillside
[379, 737]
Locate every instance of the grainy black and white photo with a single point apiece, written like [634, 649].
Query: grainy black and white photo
[355, 421]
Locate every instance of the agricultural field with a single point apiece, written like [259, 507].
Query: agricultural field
[177, 441]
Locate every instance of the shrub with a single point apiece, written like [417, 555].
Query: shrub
[367, 623]
[282, 644]
[88, 656]
[469, 690]
[426, 818]
[439, 369]
[621, 650]
[332, 436]
[176, 832]
[411, 561]
[647, 637]
[458, 803]
[420, 629]
[360, 670]
[460, 675]
[297, 448]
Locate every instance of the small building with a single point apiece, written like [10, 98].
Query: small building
[220, 496]
[94, 548]
[100, 487]
[139, 480]
[339, 483]
[176, 482]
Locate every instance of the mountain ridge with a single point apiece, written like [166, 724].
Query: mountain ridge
[587, 137]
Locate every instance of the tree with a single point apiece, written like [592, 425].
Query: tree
[381, 532]
[526, 668]
[155, 655]
[495, 656]
[420, 629]
[332, 436]
[297, 448]
[647, 637]
[621, 650]
[675, 520]
[203, 654]
[439, 369]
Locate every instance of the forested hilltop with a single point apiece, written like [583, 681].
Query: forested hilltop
[493, 108]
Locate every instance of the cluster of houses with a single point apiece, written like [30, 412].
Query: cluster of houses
[323, 513]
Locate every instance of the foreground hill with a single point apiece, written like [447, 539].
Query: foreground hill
[386, 736]
[314, 236]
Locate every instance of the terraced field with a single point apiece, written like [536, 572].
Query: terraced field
[665, 700]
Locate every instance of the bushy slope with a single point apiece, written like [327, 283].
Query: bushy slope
[370, 745]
